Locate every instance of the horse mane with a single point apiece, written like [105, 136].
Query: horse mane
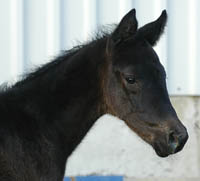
[66, 55]
[42, 69]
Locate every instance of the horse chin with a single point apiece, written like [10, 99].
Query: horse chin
[162, 154]
[162, 151]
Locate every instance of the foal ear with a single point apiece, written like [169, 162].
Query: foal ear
[152, 31]
[126, 28]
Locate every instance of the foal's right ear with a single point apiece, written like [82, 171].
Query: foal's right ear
[126, 28]
[152, 31]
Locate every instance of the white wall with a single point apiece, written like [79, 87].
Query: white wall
[34, 31]
[111, 148]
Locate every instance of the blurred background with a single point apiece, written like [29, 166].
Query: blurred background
[33, 32]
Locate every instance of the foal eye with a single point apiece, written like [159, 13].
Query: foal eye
[130, 80]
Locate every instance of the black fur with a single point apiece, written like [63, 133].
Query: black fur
[46, 115]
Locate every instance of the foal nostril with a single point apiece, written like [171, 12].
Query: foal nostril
[173, 142]
[177, 141]
[182, 138]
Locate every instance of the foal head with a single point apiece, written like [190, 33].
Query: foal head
[134, 87]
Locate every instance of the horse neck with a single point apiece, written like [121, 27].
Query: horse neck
[67, 98]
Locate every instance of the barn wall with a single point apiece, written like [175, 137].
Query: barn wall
[111, 148]
[32, 32]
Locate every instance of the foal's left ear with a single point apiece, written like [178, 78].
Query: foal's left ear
[126, 28]
[152, 31]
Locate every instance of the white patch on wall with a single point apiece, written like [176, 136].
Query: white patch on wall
[111, 148]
